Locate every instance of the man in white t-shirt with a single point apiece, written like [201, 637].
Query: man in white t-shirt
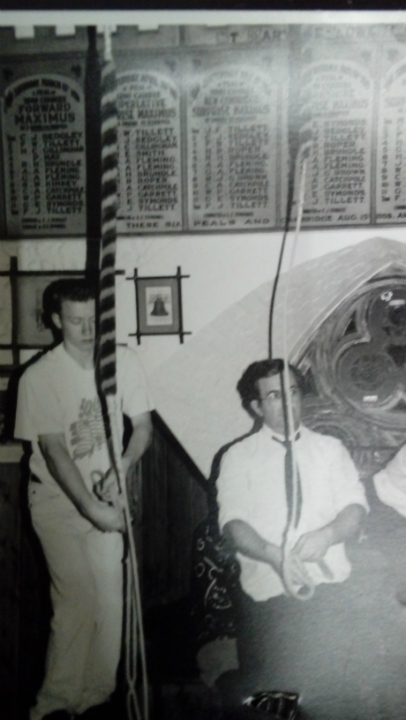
[286, 644]
[79, 525]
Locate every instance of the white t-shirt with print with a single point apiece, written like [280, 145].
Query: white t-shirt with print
[56, 395]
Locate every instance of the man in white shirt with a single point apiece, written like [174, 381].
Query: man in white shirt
[59, 411]
[390, 482]
[283, 641]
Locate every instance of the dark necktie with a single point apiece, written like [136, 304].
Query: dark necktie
[289, 465]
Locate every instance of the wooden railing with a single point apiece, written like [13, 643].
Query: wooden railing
[170, 504]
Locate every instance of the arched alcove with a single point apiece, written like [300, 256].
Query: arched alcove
[355, 369]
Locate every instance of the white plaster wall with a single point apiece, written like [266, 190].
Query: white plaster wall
[222, 269]
[195, 389]
[226, 307]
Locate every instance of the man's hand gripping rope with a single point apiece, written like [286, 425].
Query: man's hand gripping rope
[311, 547]
[105, 487]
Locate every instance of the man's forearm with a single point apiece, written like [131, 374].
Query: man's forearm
[346, 525]
[70, 480]
[313, 545]
[247, 541]
[139, 441]
[68, 477]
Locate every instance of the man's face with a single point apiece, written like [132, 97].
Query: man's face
[270, 405]
[77, 323]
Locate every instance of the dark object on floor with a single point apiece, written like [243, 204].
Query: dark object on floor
[190, 700]
[275, 704]
[171, 646]
[58, 715]
[98, 712]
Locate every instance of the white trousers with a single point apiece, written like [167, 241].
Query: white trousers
[86, 572]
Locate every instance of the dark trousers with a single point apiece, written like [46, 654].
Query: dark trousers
[332, 650]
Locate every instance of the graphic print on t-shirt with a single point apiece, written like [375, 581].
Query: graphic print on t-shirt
[87, 434]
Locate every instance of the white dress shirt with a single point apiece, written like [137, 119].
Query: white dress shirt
[251, 487]
[390, 483]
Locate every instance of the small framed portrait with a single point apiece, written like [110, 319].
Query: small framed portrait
[158, 302]
[33, 331]
[158, 305]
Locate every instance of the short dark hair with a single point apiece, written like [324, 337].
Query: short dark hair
[247, 385]
[74, 289]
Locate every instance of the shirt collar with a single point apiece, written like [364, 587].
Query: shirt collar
[279, 437]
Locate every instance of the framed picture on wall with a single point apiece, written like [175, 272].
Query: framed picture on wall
[158, 305]
[158, 302]
[33, 331]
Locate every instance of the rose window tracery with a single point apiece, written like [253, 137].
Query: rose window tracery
[355, 370]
